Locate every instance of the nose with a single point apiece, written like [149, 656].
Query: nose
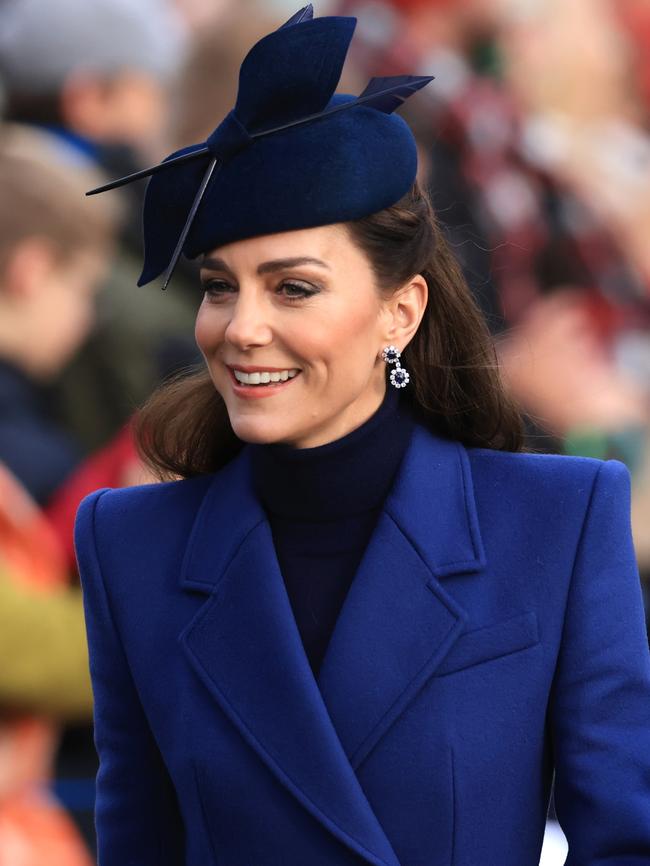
[248, 325]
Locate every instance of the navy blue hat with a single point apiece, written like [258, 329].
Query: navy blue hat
[291, 154]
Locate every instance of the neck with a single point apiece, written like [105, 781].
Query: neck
[344, 423]
[349, 475]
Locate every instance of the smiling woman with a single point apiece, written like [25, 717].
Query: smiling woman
[357, 624]
[331, 340]
[324, 301]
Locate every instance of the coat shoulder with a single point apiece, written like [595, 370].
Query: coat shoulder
[532, 485]
[134, 522]
[532, 470]
[143, 503]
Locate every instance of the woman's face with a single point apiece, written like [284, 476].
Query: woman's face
[303, 304]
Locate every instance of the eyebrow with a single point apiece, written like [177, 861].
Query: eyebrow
[216, 264]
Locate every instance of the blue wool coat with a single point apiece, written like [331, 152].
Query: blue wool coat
[494, 632]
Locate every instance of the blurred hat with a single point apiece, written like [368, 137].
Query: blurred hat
[291, 154]
[43, 41]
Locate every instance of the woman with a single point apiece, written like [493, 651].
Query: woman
[362, 628]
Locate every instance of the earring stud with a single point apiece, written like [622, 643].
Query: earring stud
[391, 354]
[399, 377]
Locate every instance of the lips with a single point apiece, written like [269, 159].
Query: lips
[248, 369]
[263, 378]
[260, 390]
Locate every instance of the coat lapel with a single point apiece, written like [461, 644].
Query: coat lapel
[395, 628]
[398, 622]
[245, 645]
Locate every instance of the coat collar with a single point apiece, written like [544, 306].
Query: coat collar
[395, 627]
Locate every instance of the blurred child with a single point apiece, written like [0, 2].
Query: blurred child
[53, 252]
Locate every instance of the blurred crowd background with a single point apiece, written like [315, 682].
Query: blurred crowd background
[534, 141]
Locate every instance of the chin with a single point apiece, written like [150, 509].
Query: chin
[257, 431]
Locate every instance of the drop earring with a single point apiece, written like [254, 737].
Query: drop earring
[399, 377]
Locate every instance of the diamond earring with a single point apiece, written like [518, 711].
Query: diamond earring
[399, 377]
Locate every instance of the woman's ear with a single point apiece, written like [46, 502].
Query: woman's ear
[405, 309]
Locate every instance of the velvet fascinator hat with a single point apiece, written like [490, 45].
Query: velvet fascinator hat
[291, 154]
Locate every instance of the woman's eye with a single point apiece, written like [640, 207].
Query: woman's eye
[215, 287]
[291, 291]
[296, 291]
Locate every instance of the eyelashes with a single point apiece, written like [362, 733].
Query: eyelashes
[216, 289]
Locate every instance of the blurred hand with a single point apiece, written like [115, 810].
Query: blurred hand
[27, 748]
[556, 367]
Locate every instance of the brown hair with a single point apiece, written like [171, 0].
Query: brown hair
[455, 388]
[42, 195]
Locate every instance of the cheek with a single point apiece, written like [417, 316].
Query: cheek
[347, 345]
[73, 322]
[79, 318]
[56, 306]
[208, 330]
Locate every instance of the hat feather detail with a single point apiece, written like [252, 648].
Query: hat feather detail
[178, 249]
[389, 92]
[172, 194]
[304, 14]
[292, 72]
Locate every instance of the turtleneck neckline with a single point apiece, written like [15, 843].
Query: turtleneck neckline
[347, 476]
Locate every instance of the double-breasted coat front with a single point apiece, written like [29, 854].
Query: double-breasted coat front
[493, 635]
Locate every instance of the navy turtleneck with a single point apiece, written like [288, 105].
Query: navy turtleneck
[322, 504]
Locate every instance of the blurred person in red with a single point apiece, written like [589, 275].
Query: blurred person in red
[556, 282]
[582, 357]
[44, 681]
[635, 17]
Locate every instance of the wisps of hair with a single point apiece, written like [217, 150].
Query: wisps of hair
[456, 388]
